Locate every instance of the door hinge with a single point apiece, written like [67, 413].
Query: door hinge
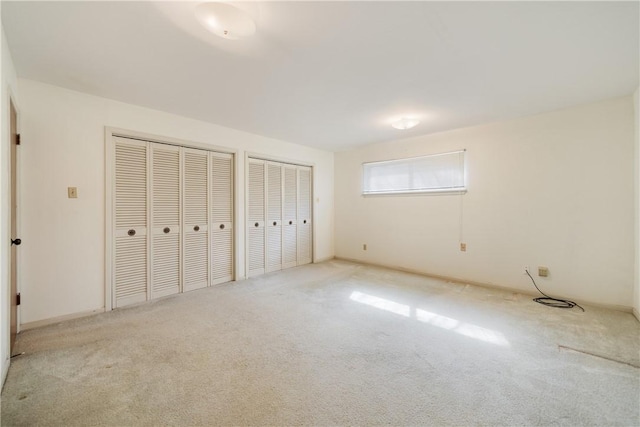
[17, 299]
[18, 139]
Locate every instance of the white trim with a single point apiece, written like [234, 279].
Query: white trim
[635, 313]
[148, 137]
[235, 238]
[210, 220]
[528, 292]
[278, 159]
[437, 191]
[149, 231]
[64, 318]
[235, 217]
[110, 218]
[245, 220]
[5, 370]
[324, 259]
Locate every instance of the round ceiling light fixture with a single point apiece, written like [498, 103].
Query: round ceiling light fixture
[405, 123]
[225, 20]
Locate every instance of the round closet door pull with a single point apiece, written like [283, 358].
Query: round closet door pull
[131, 232]
[290, 222]
[196, 228]
[305, 221]
[256, 224]
[275, 223]
[166, 230]
[221, 226]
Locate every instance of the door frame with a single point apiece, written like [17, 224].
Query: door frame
[12, 103]
[110, 215]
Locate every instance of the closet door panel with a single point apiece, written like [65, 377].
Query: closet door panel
[130, 276]
[165, 220]
[221, 218]
[274, 217]
[289, 219]
[256, 218]
[196, 219]
[304, 216]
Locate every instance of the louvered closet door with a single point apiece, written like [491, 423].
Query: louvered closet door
[221, 218]
[256, 217]
[195, 230]
[304, 215]
[289, 219]
[130, 264]
[165, 220]
[274, 217]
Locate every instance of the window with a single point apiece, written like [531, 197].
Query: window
[426, 174]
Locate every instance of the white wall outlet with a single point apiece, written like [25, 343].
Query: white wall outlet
[525, 270]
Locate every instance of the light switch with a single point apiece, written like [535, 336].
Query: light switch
[543, 271]
[72, 192]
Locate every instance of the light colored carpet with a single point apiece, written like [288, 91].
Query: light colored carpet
[334, 343]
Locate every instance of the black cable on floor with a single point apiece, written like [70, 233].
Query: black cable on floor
[550, 301]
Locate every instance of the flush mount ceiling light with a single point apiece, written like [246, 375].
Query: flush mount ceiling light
[405, 123]
[225, 20]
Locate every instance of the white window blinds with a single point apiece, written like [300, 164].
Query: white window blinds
[436, 173]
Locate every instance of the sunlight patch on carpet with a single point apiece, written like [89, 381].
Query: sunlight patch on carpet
[462, 328]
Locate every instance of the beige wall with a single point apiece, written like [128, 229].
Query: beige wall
[551, 190]
[64, 244]
[9, 88]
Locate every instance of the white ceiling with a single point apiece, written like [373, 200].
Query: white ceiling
[334, 74]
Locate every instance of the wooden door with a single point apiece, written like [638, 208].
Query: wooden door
[14, 231]
[131, 274]
[221, 218]
[305, 229]
[256, 218]
[273, 226]
[165, 220]
[195, 220]
[290, 218]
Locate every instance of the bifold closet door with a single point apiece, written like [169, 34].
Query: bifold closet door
[256, 218]
[304, 215]
[274, 217]
[195, 253]
[165, 220]
[130, 275]
[221, 218]
[290, 217]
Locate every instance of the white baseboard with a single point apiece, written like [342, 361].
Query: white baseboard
[635, 313]
[5, 371]
[616, 307]
[58, 319]
[327, 258]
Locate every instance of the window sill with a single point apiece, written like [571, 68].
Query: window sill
[440, 192]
